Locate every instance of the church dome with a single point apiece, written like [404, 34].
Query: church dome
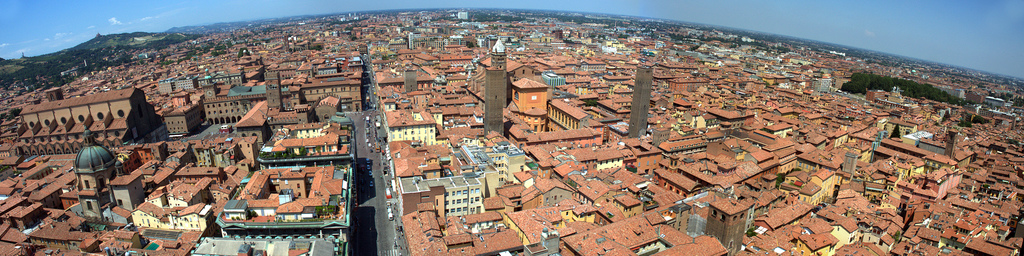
[94, 157]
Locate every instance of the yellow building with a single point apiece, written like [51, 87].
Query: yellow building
[844, 231]
[529, 224]
[195, 218]
[586, 213]
[411, 125]
[628, 205]
[813, 188]
[827, 180]
[897, 125]
[816, 244]
[609, 163]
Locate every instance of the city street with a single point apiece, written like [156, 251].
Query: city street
[375, 232]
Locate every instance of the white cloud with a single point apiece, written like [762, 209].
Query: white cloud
[869, 33]
[46, 39]
[114, 21]
[61, 35]
[4, 45]
[147, 18]
[90, 27]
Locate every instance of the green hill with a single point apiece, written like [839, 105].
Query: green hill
[44, 71]
[134, 40]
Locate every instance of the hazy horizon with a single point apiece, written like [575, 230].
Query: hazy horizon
[979, 36]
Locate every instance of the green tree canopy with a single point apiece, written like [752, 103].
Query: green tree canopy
[862, 82]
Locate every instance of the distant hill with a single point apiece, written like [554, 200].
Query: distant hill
[104, 51]
[134, 40]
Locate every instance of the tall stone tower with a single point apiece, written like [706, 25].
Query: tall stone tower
[498, 56]
[951, 138]
[661, 134]
[495, 91]
[211, 91]
[641, 101]
[850, 163]
[727, 222]
[95, 166]
[273, 95]
[410, 80]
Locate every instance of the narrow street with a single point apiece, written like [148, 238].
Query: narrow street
[375, 231]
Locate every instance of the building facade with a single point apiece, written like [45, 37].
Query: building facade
[115, 117]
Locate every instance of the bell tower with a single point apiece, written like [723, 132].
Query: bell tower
[95, 166]
[496, 91]
[210, 90]
[273, 95]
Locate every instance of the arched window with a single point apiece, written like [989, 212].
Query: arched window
[86, 184]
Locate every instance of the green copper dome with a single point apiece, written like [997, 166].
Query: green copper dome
[93, 157]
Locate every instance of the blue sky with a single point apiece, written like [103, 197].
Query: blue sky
[985, 35]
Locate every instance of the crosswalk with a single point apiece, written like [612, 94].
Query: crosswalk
[392, 252]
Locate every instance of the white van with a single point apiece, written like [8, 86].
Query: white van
[390, 215]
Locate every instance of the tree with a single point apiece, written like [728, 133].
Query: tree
[861, 83]
[470, 44]
[979, 120]
[964, 123]
[779, 178]
[14, 112]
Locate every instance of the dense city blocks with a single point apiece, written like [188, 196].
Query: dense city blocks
[491, 132]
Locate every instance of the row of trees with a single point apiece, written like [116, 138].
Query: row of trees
[968, 122]
[1009, 97]
[862, 82]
